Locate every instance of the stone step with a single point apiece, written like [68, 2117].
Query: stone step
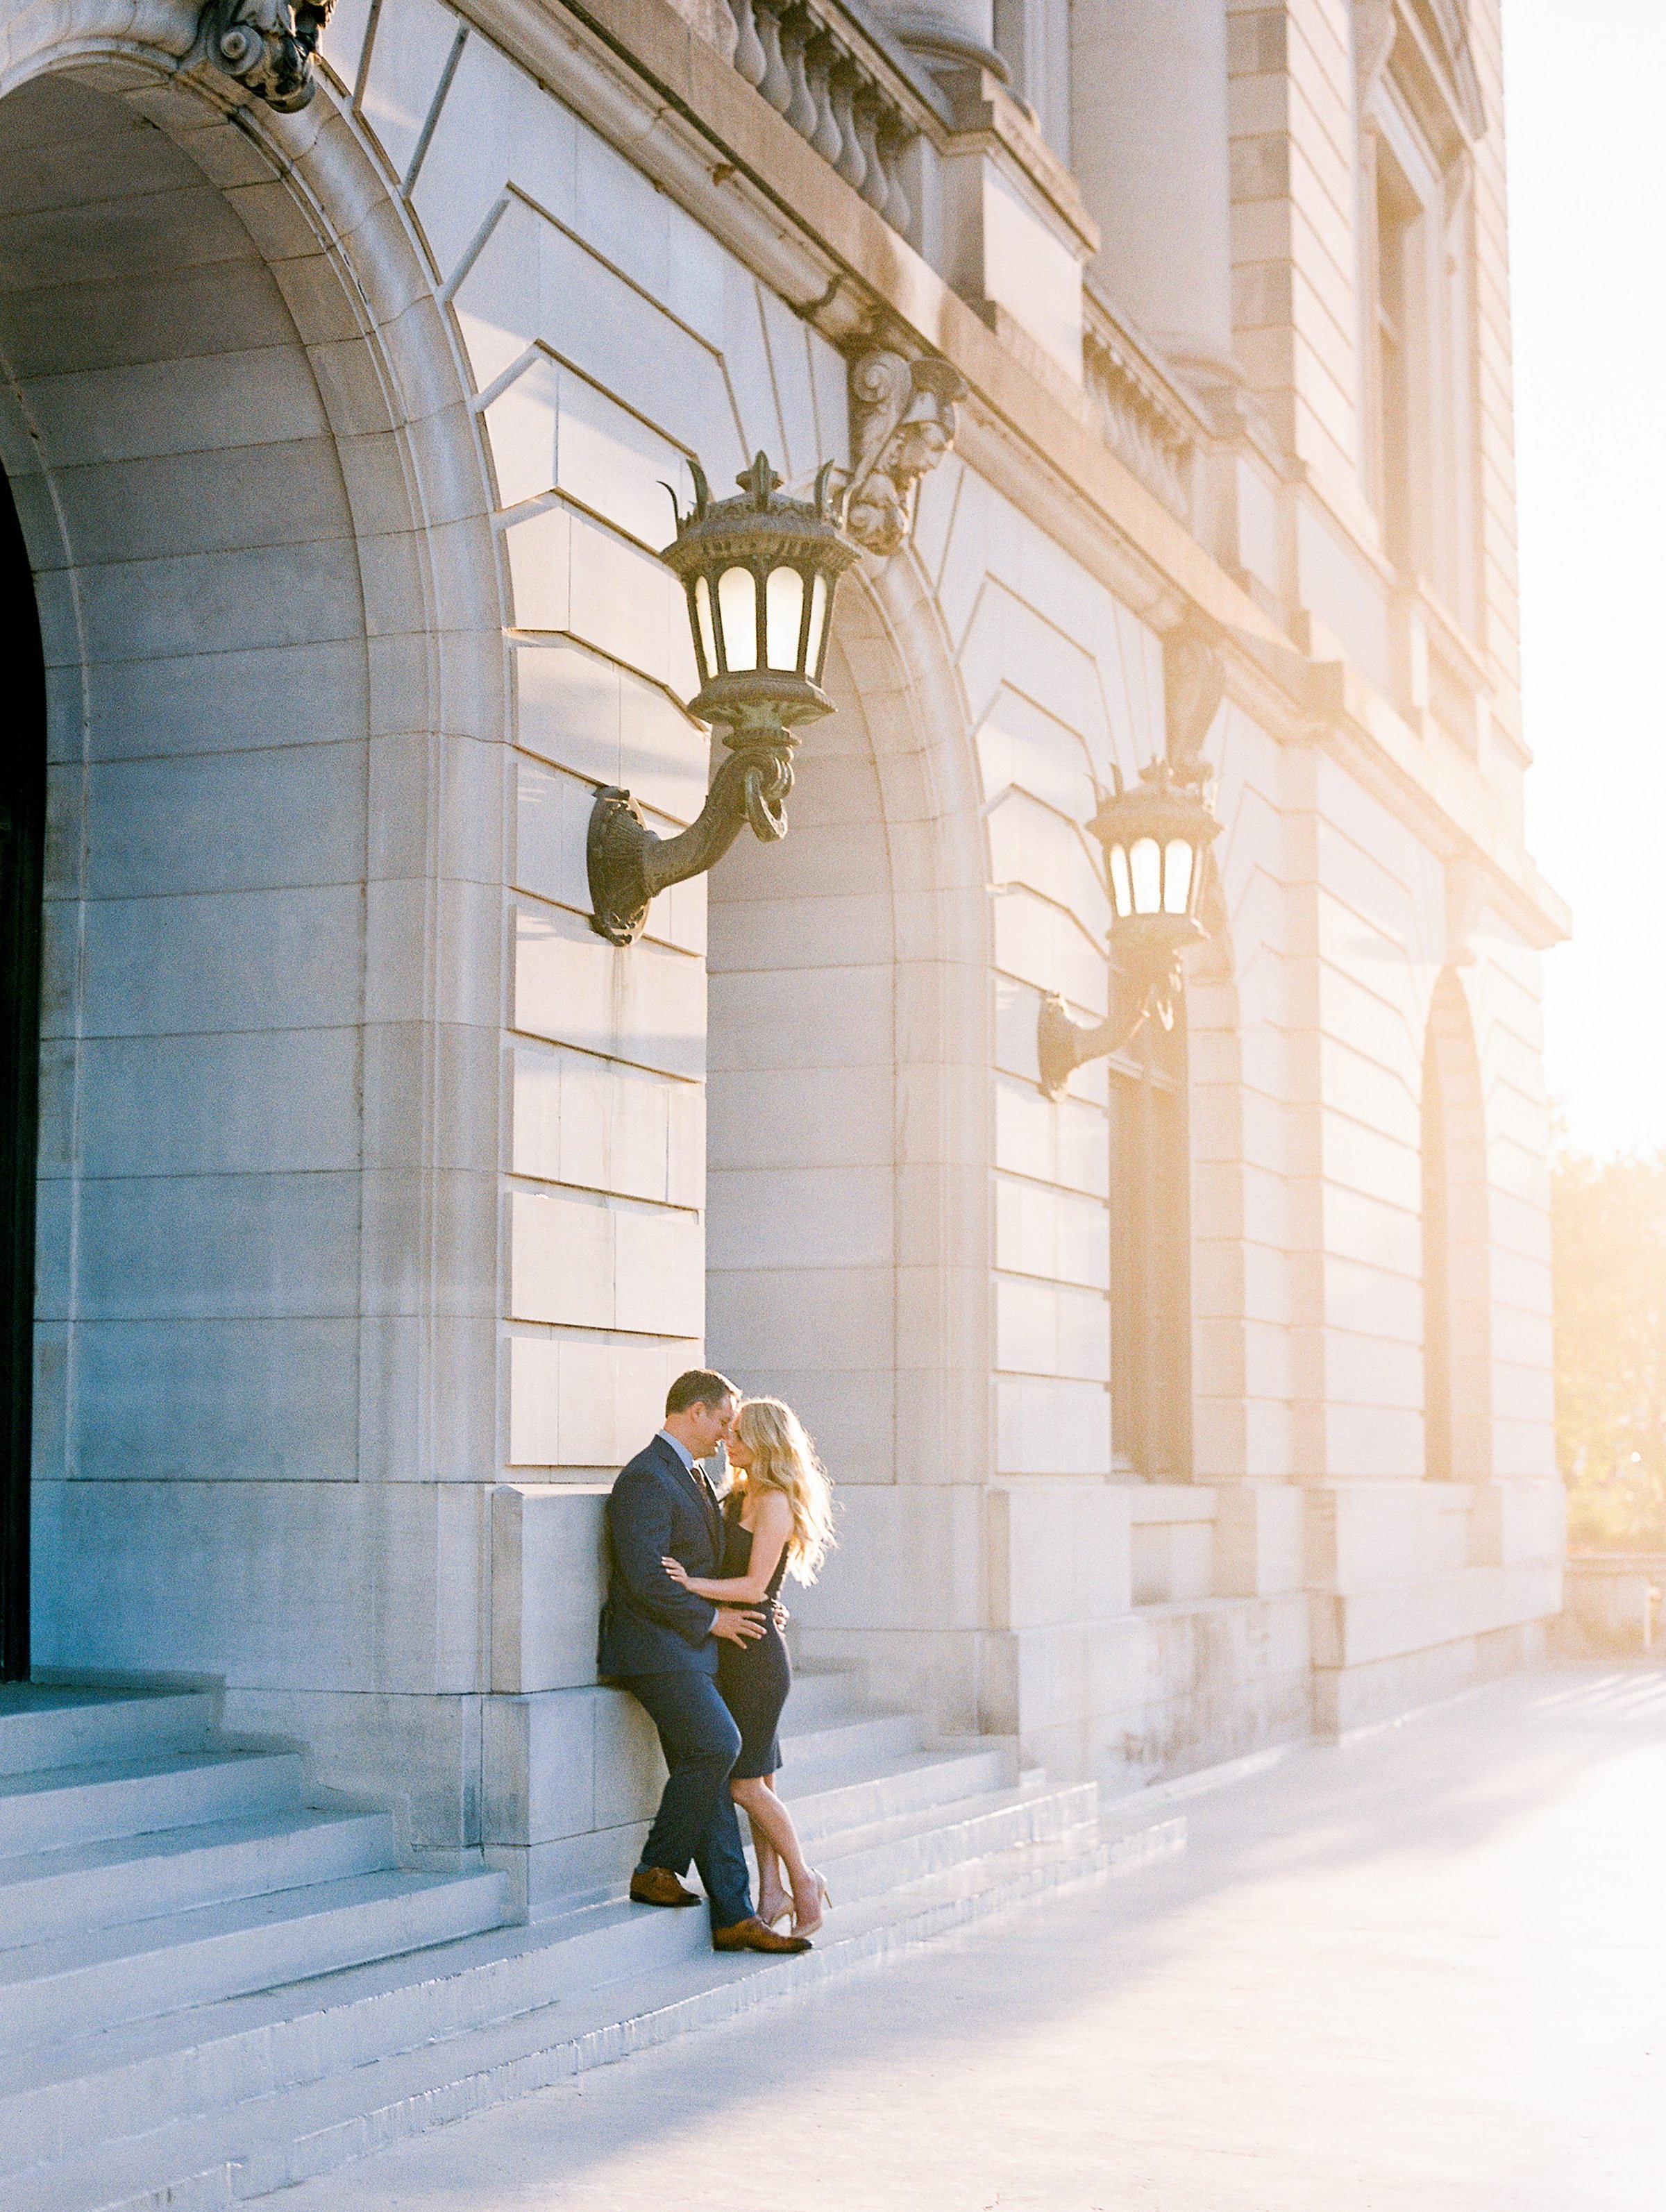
[47, 1808]
[135, 2076]
[217, 1986]
[293, 2134]
[127, 2080]
[824, 1801]
[128, 1878]
[43, 1726]
[857, 1742]
[66, 1985]
[821, 1699]
[870, 1862]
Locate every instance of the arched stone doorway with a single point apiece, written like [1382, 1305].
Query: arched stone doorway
[195, 560]
[849, 1194]
[22, 835]
[253, 500]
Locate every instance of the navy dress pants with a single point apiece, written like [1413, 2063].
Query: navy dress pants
[697, 1817]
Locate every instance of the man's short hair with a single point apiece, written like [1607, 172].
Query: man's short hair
[701, 1386]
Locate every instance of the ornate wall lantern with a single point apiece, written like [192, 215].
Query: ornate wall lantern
[1155, 839]
[760, 573]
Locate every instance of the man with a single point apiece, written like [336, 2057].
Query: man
[660, 1642]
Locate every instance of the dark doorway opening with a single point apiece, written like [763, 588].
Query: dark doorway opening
[22, 840]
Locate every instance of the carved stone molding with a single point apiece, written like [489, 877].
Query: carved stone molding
[267, 46]
[903, 421]
[1442, 29]
[1448, 21]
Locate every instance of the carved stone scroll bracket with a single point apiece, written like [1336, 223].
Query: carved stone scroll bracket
[1374, 32]
[1194, 685]
[903, 417]
[268, 46]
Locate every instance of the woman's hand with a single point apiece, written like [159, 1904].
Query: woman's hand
[677, 1571]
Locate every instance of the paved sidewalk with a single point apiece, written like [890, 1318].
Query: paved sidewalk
[1425, 1973]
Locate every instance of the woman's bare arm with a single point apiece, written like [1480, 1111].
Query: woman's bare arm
[774, 1526]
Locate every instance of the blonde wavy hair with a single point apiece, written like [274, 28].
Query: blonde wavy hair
[784, 1458]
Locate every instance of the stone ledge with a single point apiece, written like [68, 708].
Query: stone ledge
[1387, 1689]
[1361, 1627]
[547, 1585]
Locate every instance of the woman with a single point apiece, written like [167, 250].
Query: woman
[778, 1515]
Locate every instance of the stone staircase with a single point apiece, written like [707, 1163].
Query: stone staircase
[209, 1989]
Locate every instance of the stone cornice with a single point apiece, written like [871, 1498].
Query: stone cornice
[637, 71]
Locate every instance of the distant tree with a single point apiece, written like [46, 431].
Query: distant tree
[1608, 1258]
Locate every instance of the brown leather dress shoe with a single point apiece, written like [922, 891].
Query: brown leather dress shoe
[752, 1936]
[657, 1885]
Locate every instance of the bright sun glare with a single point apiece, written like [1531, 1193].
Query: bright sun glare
[1586, 152]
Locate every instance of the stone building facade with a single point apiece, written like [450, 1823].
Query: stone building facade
[379, 1197]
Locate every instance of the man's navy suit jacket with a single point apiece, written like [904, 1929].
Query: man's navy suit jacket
[650, 1625]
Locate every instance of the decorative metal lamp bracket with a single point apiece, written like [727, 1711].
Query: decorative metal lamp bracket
[629, 865]
[1194, 685]
[903, 418]
[755, 700]
[268, 46]
[1063, 1045]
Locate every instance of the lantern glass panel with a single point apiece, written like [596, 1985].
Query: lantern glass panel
[783, 616]
[1145, 867]
[1177, 876]
[737, 603]
[813, 649]
[1119, 881]
[702, 617]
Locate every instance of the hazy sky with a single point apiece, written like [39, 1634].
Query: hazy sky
[1587, 151]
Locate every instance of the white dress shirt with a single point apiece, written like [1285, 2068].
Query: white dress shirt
[680, 1449]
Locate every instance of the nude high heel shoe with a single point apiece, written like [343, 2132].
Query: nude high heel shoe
[783, 1911]
[809, 1927]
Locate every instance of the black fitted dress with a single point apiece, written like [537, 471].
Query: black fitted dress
[754, 1677]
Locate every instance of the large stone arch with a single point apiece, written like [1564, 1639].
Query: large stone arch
[848, 1202]
[238, 430]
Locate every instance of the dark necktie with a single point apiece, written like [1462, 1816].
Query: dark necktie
[704, 1492]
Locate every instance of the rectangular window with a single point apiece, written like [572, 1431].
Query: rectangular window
[1419, 367]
